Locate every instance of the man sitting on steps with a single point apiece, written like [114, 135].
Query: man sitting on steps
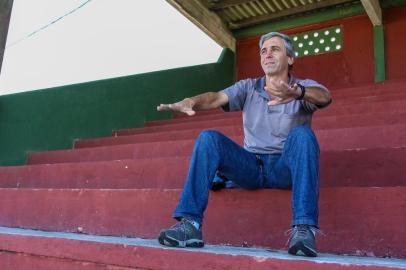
[280, 149]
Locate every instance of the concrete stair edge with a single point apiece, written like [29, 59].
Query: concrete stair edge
[142, 253]
[355, 220]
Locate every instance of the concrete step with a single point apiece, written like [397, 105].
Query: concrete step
[337, 139]
[356, 220]
[367, 167]
[328, 122]
[373, 97]
[376, 89]
[55, 250]
[366, 89]
[335, 109]
[340, 136]
[116, 152]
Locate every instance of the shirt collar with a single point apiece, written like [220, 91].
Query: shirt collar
[260, 84]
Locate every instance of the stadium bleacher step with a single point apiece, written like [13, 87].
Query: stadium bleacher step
[357, 220]
[128, 184]
[327, 122]
[333, 110]
[28, 249]
[333, 139]
[364, 167]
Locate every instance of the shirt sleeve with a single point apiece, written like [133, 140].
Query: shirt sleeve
[237, 94]
[308, 106]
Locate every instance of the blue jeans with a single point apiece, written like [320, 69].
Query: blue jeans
[297, 168]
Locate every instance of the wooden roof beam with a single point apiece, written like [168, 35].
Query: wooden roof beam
[216, 5]
[286, 12]
[373, 10]
[208, 21]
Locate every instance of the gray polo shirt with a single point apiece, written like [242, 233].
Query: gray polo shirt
[267, 127]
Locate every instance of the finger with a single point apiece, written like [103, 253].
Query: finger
[163, 107]
[275, 94]
[274, 102]
[285, 85]
[279, 101]
[190, 112]
[272, 91]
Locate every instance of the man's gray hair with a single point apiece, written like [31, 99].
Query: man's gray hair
[290, 50]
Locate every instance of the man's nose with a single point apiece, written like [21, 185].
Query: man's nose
[269, 53]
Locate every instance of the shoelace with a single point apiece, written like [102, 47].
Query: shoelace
[181, 224]
[302, 231]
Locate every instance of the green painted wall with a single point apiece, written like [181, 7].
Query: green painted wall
[52, 118]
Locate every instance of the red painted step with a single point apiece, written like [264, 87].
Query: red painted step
[27, 261]
[372, 98]
[356, 120]
[333, 110]
[50, 250]
[363, 167]
[118, 174]
[116, 152]
[376, 89]
[339, 138]
[236, 130]
[355, 220]
[357, 95]
[368, 167]
[234, 121]
[367, 89]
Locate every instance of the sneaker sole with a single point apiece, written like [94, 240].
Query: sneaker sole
[171, 242]
[300, 247]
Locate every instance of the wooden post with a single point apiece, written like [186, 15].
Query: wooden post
[5, 13]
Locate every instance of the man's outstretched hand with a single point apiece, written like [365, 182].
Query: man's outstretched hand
[281, 92]
[184, 106]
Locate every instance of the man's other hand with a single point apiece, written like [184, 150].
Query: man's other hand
[281, 92]
[184, 106]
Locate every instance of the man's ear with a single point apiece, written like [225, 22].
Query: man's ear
[291, 60]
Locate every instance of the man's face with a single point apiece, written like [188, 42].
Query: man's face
[274, 60]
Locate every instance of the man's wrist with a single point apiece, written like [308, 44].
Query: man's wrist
[302, 92]
[190, 101]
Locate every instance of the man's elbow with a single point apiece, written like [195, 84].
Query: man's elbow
[324, 100]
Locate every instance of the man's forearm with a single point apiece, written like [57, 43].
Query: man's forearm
[208, 100]
[317, 96]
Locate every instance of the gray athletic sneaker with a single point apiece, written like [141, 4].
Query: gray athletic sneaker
[182, 234]
[302, 241]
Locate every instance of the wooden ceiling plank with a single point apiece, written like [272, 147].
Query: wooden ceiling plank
[254, 5]
[239, 9]
[285, 3]
[237, 14]
[269, 5]
[249, 9]
[288, 12]
[294, 3]
[207, 21]
[261, 6]
[229, 15]
[226, 3]
[373, 10]
[278, 6]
